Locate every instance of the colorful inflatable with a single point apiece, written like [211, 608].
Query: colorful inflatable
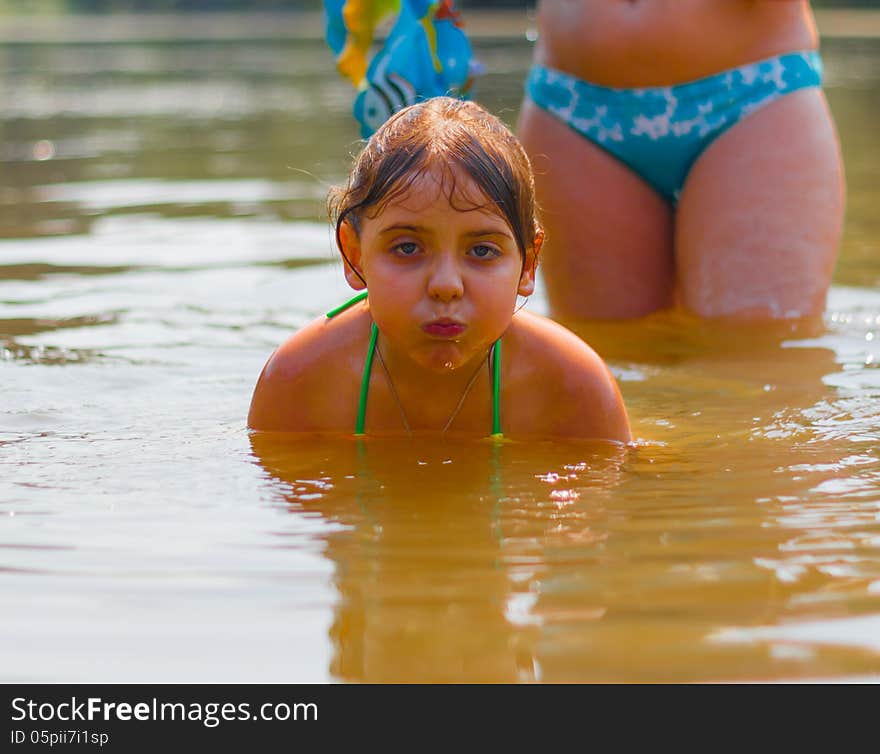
[425, 54]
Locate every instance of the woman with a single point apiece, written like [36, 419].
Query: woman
[684, 153]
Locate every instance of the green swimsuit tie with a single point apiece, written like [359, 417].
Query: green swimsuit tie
[494, 356]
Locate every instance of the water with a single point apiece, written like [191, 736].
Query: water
[162, 224]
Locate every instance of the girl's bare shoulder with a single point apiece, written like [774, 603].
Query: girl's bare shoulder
[566, 381]
[306, 384]
[323, 345]
[552, 345]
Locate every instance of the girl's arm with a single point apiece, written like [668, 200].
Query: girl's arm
[594, 406]
[572, 389]
[288, 395]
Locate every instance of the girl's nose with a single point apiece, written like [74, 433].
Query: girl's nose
[445, 282]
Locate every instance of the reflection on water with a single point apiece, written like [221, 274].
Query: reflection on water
[162, 231]
[569, 562]
[437, 565]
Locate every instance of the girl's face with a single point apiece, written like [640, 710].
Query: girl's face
[443, 279]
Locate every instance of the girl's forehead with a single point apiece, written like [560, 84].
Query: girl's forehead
[445, 185]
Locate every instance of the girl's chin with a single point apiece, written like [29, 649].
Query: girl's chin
[444, 358]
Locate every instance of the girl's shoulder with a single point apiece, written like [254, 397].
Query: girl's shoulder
[323, 345]
[306, 384]
[568, 386]
[552, 345]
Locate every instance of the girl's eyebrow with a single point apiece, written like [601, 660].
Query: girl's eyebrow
[422, 229]
[489, 232]
[403, 226]
[481, 233]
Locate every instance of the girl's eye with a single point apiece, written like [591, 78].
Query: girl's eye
[482, 251]
[406, 249]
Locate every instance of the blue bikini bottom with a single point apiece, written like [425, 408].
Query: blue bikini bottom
[660, 131]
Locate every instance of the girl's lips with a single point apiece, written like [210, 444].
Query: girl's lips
[443, 328]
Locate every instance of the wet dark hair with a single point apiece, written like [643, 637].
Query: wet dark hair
[452, 135]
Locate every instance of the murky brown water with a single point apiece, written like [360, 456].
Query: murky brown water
[161, 223]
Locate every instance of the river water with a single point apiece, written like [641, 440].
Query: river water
[161, 231]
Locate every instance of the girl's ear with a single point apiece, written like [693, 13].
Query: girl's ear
[350, 247]
[530, 266]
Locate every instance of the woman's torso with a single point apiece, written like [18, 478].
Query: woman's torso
[632, 43]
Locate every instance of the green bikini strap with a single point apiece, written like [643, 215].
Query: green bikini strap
[351, 302]
[365, 381]
[496, 389]
[368, 366]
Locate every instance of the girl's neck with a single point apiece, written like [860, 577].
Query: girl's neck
[406, 371]
[429, 398]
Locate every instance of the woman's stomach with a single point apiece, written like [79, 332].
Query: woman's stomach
[632, 43]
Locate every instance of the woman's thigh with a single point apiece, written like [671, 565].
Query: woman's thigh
[760, 217]
[608, 251]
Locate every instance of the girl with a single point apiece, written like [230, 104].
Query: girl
[684, 152]
[438, 222]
